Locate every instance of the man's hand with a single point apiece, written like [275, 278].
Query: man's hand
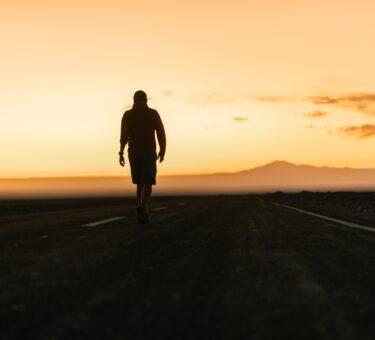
[160, 157]
[122, 160]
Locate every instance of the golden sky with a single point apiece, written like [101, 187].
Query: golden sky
[237, 83]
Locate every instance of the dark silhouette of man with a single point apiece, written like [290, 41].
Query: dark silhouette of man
[138, 127]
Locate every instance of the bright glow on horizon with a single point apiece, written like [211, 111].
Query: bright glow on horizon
[69, 70]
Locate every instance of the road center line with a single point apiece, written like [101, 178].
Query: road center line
[345, 223]
[159, 208]
[94, 224]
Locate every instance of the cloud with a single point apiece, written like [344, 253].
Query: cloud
[316, 114]
[362, 102]
[240, 119]
[216, 97]
[167, 93]
[272, 99]
[360, 132]
[310, 127]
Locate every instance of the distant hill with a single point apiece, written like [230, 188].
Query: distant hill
[279, 171]
[282, 175]
[278, 175]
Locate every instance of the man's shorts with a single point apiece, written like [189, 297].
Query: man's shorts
[143, 168]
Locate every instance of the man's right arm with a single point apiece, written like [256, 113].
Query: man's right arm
[123, 139]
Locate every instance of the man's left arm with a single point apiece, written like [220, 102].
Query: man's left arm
[160, 133]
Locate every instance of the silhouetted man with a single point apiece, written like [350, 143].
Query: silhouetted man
[138, 128]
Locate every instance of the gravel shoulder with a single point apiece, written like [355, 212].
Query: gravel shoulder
[356, 207]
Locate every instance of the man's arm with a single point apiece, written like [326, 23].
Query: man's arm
[123, 139]
[160, 133]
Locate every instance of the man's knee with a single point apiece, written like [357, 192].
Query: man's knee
[147, 187]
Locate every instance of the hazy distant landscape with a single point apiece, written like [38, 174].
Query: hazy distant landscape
[275, 176]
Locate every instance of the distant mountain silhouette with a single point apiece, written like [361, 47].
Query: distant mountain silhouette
[278, 175]
[286, 175]
[287, 167]
[282, 175]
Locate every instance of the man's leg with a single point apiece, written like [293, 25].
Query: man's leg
[139, 193]
[140, 209]
[146, 194]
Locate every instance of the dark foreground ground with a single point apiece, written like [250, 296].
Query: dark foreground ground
[205, 268]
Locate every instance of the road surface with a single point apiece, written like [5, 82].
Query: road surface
[229, 267]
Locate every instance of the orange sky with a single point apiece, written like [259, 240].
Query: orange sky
[237, 83]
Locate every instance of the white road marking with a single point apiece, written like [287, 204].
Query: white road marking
[345, 223]
[159, 208]
[94, 224]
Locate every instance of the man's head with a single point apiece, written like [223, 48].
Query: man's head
[140, 96]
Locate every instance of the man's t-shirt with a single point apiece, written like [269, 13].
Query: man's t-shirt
[140, 125]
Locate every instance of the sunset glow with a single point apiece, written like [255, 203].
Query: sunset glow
[237, 83]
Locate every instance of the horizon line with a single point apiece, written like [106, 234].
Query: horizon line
[183, 174]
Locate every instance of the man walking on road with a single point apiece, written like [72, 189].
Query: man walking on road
[138, 126]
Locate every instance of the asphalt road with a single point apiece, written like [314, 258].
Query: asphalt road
[206, 268]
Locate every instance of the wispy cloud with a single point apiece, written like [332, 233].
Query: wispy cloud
[167, 93]
[362, 102]
[360, 132]
[316, 114]
[272, 99]
[216, 97]
[240, 119]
